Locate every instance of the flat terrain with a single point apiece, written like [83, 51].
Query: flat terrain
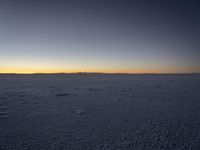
[98, 111]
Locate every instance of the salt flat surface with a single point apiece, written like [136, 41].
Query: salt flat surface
[91, 111]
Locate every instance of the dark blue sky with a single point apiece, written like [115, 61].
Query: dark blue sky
[100, 36]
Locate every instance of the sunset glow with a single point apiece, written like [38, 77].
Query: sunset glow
[128, 37]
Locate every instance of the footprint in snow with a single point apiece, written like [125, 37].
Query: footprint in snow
[93, 89]
[62, 94]
[3, 115]
[79, 112]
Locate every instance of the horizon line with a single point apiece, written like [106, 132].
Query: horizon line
[68, 73]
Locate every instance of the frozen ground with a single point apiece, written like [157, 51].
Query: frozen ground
[55, 112]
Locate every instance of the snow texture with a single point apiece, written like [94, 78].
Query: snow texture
[99, 112]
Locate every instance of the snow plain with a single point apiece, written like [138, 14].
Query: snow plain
[99, 111]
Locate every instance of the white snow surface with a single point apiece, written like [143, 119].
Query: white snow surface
[99, 112]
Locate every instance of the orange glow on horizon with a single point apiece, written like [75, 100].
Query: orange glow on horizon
[32, 70]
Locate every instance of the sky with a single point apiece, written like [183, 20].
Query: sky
[112, 36]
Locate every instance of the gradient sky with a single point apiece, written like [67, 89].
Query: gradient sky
[126, 36]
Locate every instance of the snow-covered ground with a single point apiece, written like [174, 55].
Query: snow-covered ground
[96, 111]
